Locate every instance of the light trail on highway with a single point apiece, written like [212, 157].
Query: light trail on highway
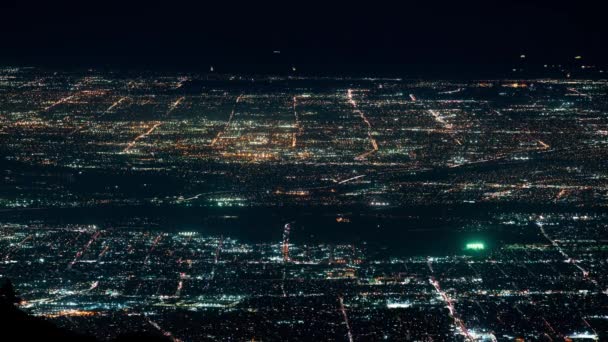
[141, 136]
[84, 249]
[345, 317]
[166, 333]
[175, 104]
[220, 133]
[108, 110]
[564, 254]
[297, 123]
[372, 140]
[351, 179]
[449, 303]
[17, 246]
[451, 309]
[58, 102]
[172, 107]
[115, 104]
[440, 119]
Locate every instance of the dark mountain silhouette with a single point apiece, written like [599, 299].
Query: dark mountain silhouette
[18, 325]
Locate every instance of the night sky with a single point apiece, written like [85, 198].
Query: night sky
[309, 35]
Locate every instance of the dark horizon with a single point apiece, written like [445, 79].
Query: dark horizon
[339, 37]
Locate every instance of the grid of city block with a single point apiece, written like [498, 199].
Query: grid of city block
[243, 207]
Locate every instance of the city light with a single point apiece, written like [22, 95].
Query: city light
[475, 246]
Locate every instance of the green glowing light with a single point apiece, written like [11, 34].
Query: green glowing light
[475, 246]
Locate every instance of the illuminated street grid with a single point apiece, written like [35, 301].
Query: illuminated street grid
[525, 158]
[187, 140]
[200, 287]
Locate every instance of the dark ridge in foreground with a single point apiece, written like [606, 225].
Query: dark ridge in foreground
[30, 328]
